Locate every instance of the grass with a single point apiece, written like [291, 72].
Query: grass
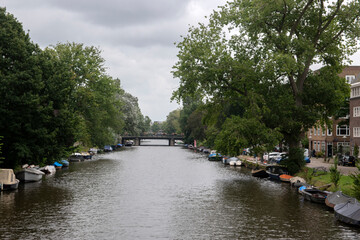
[319, 179]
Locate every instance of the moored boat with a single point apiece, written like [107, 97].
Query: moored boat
[337, 198]
[8, 180]
[86, 155]
[65, 163]
[233, 161]
[285, 178]
[297, 181]
[313, 194]
[348, 212]
[226, 160]
[58, 165]
[275, 171]
[76, 157]
[29, 175]
[260, 173]
[215, 157]
[49, 169]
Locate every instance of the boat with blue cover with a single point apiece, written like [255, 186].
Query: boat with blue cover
[65, 163]
[57, 165]
[215, 157]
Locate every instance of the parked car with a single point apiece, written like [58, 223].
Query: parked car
[347, 161]
[284, 157]
[108, 148]
[272, 155]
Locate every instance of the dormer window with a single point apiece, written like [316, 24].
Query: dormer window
[350, 78]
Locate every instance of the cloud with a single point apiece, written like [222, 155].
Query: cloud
[136, 36]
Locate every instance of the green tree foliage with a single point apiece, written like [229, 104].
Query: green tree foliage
[172, 123]
[260, 52]
[88, 91]
[238, 133]
[133, 118]
[335, 174]
[356, 183]
[22, 110]
[55, 97]
[157, 127]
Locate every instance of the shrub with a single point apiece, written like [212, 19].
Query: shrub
[335, 175]
[356, 183]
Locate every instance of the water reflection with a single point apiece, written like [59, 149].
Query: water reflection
[162, 192]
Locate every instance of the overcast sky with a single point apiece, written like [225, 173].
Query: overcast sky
[136, 38]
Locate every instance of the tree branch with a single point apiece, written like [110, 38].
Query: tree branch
[297, 22]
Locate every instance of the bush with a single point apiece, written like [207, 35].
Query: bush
[356, 183]
[335, 175]
[320, 154]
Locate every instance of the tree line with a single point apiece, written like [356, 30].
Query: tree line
[56, 97]
[246, 78]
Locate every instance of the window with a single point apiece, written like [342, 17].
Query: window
[356, 131]
[323, 146]
[310, 131]
[355, 92]
[315, 146]
[329, 132]
[318, 146]
[349, 78]
[356, 111]
[342, 130]
[323, 131]
[318, 131]
[314, 131]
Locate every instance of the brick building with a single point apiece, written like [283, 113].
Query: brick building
[327, 139]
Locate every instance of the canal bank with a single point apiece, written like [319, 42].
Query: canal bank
[314, 163]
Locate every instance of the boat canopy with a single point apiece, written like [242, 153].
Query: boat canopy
[7, 176]
[349, 210]
[339, 197]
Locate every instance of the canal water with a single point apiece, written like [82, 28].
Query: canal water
[161, 192]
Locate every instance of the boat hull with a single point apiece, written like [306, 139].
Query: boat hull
[12, 186]
[76, 158]
[314, 195]
[338, 198]
[29, 175]
[348, 213]
[261, 173]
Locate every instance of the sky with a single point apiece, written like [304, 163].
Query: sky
[136, 38]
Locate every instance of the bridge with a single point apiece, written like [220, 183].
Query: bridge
[137, 139]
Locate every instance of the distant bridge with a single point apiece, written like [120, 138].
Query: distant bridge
[137, 139]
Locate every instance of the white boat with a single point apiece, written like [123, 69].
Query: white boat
[49, 169]
[29, 175]
[239, 163]
[234, 161]
[8, 180]
[76, 157]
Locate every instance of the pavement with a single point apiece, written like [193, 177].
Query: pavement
[318, 162]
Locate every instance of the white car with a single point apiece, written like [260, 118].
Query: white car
[268, 156]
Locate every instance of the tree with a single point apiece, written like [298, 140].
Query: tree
[261, 52]
[133, 118]
[335, 174]
[157, 126]
[82, 83]
[23, 112]
[172, 123]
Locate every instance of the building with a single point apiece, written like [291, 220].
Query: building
[329, 139]
[355, 113]
[323, 139]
